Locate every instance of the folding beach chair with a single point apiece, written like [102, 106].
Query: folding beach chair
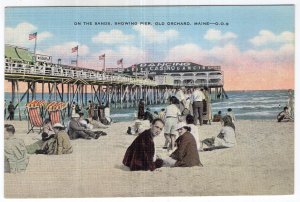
[55, 111]
[35, 120]
[54, 116]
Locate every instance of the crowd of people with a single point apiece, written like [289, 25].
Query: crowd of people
[181, 117]
[55, 139]
[178, 122]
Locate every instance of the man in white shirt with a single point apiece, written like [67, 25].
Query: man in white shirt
[172, 115]
[197, 101]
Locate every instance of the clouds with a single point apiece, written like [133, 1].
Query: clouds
[151, 35]
[266, 37]
[271, 67]
[130, 54]
[114, 36]
[19, 35]
[230, 53]
[217, 35]
[63, 51]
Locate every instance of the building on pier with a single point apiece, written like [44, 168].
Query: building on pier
[186, 74]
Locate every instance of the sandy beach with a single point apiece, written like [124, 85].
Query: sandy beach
[261, 164]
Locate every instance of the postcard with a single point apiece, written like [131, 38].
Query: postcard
[149, 101]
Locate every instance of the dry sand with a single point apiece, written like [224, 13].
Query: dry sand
[261, 164]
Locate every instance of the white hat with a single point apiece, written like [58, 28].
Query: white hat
[180, 125]
[58, 125]
[75, 115]
[138, 122]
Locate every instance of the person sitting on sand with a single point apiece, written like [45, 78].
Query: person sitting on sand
[59, 144]
[194, 129]
[47, 127]
[155, 115]
[96, 124]
[217, 117]
[140, 154]
[36, 147]
[83, 122]
[186, 154]
[225, 139]
[138, 127]
[76, 131]
[63, 145]
[162, 114]
[284, 116]
[148, 115]
[15, 153]
[94, 128]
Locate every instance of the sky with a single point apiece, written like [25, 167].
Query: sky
[254, 45]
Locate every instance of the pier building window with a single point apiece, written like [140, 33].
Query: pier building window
[201, 81]
[188, 74]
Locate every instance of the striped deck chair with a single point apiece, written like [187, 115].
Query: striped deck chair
[55, 111]
[54, 116]
[34, 119]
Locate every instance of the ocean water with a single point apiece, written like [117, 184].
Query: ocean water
[246, 105]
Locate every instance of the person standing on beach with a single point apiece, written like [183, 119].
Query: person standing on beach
[73, 107]
[4, 109]
[141, 110]
[11, 111]
[91, 109]
[167, 95]
[291, 103]
[208, 104]
[172, 118]
[140, 154]
[101, 115]
[231, 114]
[197, 102]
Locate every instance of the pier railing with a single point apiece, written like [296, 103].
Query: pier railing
[73, 72]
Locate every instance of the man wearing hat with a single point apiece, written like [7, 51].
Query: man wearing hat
[186, 154]
[77, 131]
[63, 141]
